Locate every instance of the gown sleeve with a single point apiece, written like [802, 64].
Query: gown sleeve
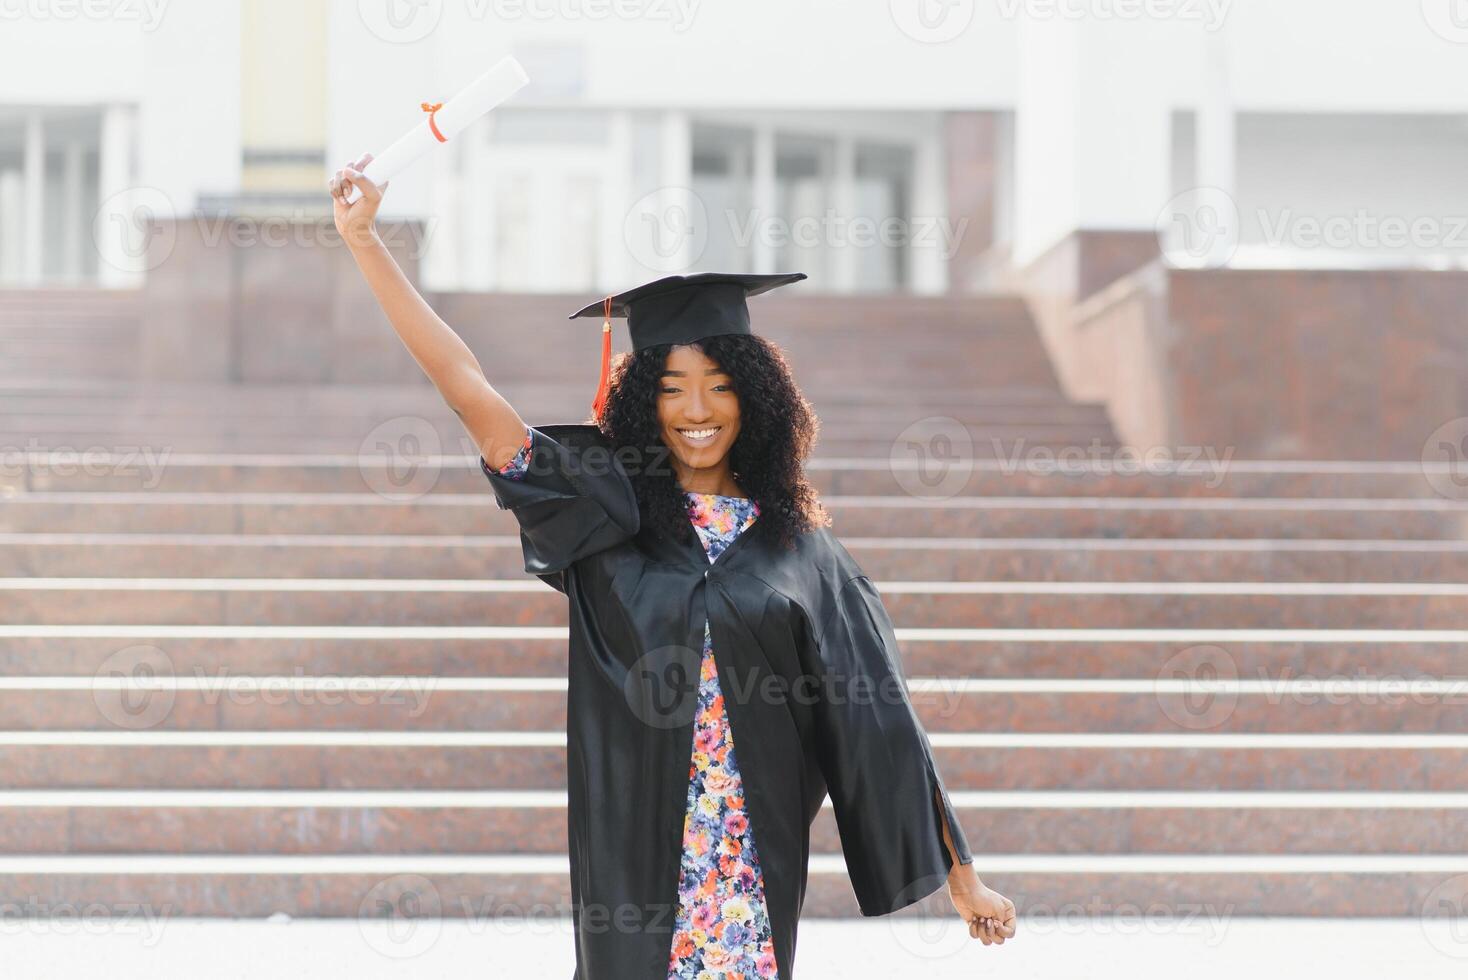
[570, 494]
[877, 761]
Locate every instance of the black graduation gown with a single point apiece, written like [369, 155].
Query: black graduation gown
[812, 683]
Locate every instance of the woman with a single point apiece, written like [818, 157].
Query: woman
[678, 523]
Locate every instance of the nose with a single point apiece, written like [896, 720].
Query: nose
[699, 409]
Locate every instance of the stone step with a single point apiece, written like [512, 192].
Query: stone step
[167, 469]
[482, 886]
[102, 554]
[530, 822]
[535, 405]
[859, 440]
[157, 760]
[522, 704]
[996, 443]
[929, 605]
[558, 393]
[994, 517]
[509, 651]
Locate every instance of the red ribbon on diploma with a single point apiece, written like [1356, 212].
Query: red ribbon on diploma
[431, 108]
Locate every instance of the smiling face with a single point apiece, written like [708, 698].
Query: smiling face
[698, 413]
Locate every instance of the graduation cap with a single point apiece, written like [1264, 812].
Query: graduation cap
[678, 310]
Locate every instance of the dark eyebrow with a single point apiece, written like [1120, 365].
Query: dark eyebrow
[684, 374]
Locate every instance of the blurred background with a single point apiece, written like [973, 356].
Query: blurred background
[1137, 331]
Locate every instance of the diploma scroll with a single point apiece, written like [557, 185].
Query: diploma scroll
[444, 123]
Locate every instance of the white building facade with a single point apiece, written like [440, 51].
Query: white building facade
[664, 136]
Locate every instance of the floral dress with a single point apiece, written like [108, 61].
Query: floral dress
[723, 926]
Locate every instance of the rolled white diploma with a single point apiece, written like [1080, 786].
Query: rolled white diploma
[481, 95]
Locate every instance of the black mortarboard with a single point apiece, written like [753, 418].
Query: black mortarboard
[679, 310]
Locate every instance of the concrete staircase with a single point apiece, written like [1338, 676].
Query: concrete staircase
[251, 661]
[71, 333]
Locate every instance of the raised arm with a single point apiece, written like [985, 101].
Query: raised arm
[491, 421]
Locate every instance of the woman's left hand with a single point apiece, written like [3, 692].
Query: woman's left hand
[989, 915]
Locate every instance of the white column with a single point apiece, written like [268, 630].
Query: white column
[1216, 137]
[764, 198]
[614, 268]
[73, 225]
[12, 231]
[115, 179]
[928, 259]
[34, 170]
[678, 206]
[843, 181]
[1092, 132]
[481, 229]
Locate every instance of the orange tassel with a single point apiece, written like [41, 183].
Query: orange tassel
[599, 404]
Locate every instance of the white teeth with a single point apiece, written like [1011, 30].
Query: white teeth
[699, 433]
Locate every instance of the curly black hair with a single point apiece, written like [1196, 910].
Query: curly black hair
[777, 430]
